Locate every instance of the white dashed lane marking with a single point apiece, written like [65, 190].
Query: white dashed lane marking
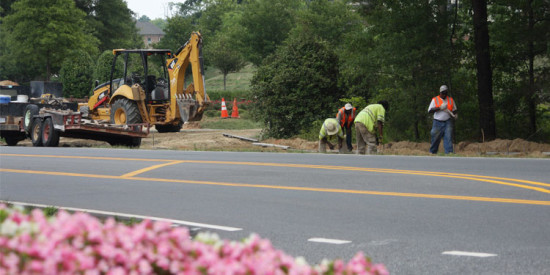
[330, 241]
[469, 254]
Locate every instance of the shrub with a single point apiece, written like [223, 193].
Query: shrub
[104, 63]
[296, 86]
[81, 244]
[76, 74]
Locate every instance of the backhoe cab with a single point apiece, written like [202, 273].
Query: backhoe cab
[147, 86]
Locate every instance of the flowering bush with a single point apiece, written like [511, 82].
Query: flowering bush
[80, 243]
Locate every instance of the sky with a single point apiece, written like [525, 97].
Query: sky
[153, 9]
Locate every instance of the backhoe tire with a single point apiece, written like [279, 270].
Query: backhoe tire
[125, 111]
[169, 128]
[30, 111]
[50, 136]
[36, 132]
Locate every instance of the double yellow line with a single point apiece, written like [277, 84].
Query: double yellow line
[133, 176]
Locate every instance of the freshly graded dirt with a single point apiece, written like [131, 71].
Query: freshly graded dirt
[192, 138]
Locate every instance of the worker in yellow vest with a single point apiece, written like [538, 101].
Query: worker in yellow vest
[443, 108]
[330, 128]
[346, 116]
[367, 122]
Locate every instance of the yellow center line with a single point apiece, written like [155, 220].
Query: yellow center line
[297, 188]
[84, 157]
[140, 171]
[489, 179]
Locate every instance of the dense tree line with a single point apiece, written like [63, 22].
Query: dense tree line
[61, 39]
[494, 56]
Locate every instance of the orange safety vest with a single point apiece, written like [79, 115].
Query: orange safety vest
[439, 101]
[346, 120]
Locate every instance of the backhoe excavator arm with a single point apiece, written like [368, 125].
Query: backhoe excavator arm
[194, 97]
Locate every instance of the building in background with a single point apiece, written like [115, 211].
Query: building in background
[149, 32]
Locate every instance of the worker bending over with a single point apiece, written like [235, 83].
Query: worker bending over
[330, 128]
[346, 116]
[366, 123]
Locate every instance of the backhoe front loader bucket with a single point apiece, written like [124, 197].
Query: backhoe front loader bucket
[188, 107]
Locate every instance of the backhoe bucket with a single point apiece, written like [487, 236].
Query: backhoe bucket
[188, 107]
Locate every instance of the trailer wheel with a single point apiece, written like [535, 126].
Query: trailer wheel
[11, 140]
[132, 142]
[30, 111]
[50, 136]
[125, 111]
[35, 132]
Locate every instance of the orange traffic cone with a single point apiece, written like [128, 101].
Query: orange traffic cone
[224, 109]
[235, 112]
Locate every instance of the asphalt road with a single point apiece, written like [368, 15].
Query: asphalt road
[416, 215]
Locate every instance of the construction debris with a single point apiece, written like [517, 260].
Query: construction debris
[255, 141]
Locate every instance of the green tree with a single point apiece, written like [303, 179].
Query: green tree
[296, 86]
[111, 22]
[189, 8]
[5, 7]
[265, 25]
[43, 32]
[212, 17]
[177, 32]
[116, 27]
[520, 34]
[144, 18]
[159, 22]
[484, 70]
[222, 55]
[76, 74]
[403, 56]
[102, 68]
[328, 20]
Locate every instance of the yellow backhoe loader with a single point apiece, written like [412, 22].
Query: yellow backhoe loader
[147, 86]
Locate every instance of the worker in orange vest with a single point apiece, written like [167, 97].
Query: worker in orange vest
[346, 116]
[444, 109]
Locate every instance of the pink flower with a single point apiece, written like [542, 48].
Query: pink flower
[144, 267]
[379, 269]
[11, 261]
[81, 244]
[117, 271]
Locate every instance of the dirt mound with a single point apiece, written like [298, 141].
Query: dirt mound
[192, 125]
[504, 146]
[8, 83]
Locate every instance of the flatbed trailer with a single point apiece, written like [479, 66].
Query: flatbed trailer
[46, 123]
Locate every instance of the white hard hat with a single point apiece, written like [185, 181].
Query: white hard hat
[331, 128]
[348, 106]
[443, 88]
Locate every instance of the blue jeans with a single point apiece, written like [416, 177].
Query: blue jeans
[348, 138]
[442, 129]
